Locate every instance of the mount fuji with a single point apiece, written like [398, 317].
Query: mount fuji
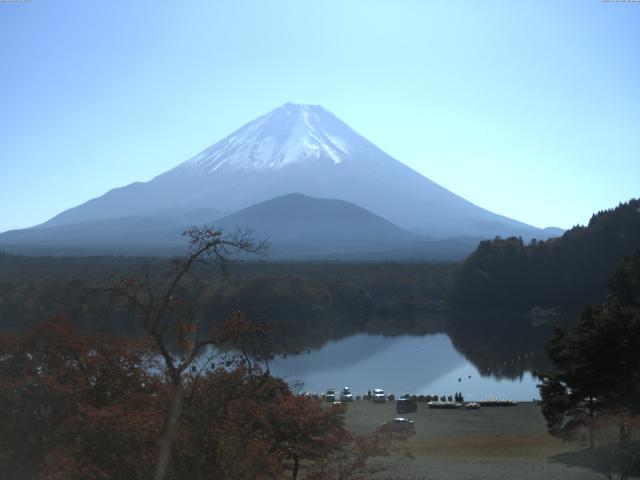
[301, 149]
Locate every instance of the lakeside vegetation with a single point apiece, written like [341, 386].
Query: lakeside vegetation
[507, 297]
[504, 300]
[78, 406]
[562, 274]
[593, 389]
[305, 301]
[121, 315]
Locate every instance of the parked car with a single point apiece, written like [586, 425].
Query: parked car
[346, 395]
[330, 396]
[379, 395]
[399, 425]
[406, 404]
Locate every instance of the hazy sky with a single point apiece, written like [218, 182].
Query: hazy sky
[529, 109]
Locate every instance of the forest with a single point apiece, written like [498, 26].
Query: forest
[592, 389]
[308, 303]
[82, 406]
[557, 276]
[507, 294]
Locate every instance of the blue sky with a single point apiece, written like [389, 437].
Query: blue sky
[529, 109]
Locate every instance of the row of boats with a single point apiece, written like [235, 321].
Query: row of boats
[489, 402]
[497, 402]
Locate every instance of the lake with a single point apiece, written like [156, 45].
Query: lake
[402, 364]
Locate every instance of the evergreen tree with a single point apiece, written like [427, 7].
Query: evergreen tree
[597, 364]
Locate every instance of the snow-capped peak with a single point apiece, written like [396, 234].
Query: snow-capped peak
[288, 135]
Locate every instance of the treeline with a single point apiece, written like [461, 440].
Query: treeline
[300, 301]
[306, 312]
[593, 387]
[508, 297]
[561, 273]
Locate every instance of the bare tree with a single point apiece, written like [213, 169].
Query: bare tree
[170, 320]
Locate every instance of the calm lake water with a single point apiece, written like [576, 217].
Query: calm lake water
[403, 364]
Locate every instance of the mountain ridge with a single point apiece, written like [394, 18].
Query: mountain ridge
[300, 149]
[296, 226]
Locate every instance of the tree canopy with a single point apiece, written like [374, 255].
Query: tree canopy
[597, 363]
[563, 273]
[88, 406]
[74, 406]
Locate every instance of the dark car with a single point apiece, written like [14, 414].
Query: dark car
[399, 425]
[405, 404]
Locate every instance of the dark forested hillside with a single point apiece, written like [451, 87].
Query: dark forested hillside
[308, 302]
[563, 273]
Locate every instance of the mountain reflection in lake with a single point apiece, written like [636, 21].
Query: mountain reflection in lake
[401, 364]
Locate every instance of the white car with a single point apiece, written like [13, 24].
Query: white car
[330, 396]
[379, 395]
[346, 395]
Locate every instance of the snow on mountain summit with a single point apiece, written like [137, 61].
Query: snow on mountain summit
[290, 134]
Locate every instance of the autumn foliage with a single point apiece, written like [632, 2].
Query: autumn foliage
[70, 403]
[74, 406]
[182, 404]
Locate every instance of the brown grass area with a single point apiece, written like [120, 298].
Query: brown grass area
[485, 444]
[530, 445]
